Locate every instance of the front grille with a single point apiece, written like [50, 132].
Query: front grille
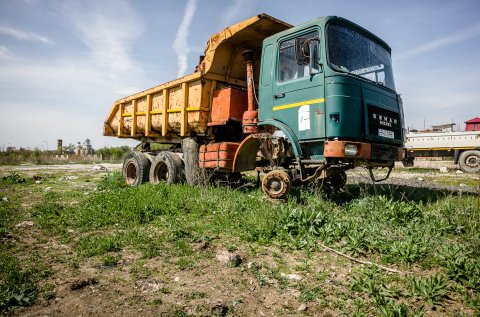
[387, 121]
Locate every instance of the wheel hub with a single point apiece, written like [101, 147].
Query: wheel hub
[130, 173]
[276, 184]
[472, 161]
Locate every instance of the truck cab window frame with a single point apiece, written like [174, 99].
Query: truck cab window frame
[352, 52]
[288, 68]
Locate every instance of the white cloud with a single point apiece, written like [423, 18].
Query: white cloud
[232, 13]
[109, 38]
[180, 43]
[24, 36]
[5, 53]
[75, 90]
[458, 37]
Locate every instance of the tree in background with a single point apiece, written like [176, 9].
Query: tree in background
[114, 152]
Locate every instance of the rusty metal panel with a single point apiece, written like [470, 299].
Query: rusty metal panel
[218, 155]
[228, 104]
[246, 155]
[176, 108]
[223, 54]
[337, 149]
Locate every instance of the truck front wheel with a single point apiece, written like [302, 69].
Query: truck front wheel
[167, 167]
[469, 161]
[337, 180]
[276, 184]
[135, 168]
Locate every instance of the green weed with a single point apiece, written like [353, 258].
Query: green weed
[406, 251]
[464, 270]
[13, 178]
[111, 260]
[112, 181]
[392, 309]
[432, 289]
[184, 263]
[310, 294]
[17, 286]
[195, 295]
[98, 245]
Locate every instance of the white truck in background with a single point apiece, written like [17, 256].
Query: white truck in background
[463, 147]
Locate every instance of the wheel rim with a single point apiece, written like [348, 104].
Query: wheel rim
[276, 184]
[161, 172]
[130, 173]
[472, 161]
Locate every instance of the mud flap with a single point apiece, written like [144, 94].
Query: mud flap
[246, 154]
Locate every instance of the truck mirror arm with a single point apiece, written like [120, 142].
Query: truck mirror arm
[311, 69]
[313, 57]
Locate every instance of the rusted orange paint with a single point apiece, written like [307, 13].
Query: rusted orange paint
[228, 104]
[246, 155]
[218, 155]
[336, 149]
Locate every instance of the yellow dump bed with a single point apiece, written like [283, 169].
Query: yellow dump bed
[180, 107]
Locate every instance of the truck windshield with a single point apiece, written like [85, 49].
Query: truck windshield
[351, 52]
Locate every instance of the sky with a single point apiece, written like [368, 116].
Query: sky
[64, 63]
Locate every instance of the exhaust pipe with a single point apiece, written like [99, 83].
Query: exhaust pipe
[250, 117]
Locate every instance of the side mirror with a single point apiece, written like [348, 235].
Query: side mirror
[302, 50]
[306, 51]
[314, 66]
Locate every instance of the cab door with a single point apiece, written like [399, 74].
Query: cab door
[298, 86]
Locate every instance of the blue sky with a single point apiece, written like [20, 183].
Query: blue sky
[63, 63]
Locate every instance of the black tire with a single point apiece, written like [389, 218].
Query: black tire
[135, 168]
[408, 162]
[469, 161]
[167, 167]
[337, 180]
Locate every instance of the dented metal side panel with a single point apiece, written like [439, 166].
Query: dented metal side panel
[167, 110]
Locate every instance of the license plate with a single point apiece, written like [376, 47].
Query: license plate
[386, 133]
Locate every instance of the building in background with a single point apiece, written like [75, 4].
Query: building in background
[473, 124]
[443, 127]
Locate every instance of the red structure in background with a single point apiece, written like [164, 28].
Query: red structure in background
[473, 124]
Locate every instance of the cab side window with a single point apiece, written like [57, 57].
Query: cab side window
[288, 68]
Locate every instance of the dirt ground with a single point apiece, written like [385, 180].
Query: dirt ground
[217, 285]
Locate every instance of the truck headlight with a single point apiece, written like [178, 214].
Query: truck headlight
[351, 150]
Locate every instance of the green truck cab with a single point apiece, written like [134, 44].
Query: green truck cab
[328, 86]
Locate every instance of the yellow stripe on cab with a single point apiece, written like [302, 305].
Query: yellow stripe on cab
[298, 104]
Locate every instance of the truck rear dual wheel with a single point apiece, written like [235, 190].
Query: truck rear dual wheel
[167, 167]
[469, 161]
[136, 167]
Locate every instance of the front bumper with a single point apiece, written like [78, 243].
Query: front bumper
[365, 151]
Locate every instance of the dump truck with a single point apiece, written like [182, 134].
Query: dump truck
[462, 147]
[298, 104]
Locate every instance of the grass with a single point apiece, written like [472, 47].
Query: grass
[18, 284]
[435, 235]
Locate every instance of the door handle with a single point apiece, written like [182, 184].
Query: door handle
[279, 96]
